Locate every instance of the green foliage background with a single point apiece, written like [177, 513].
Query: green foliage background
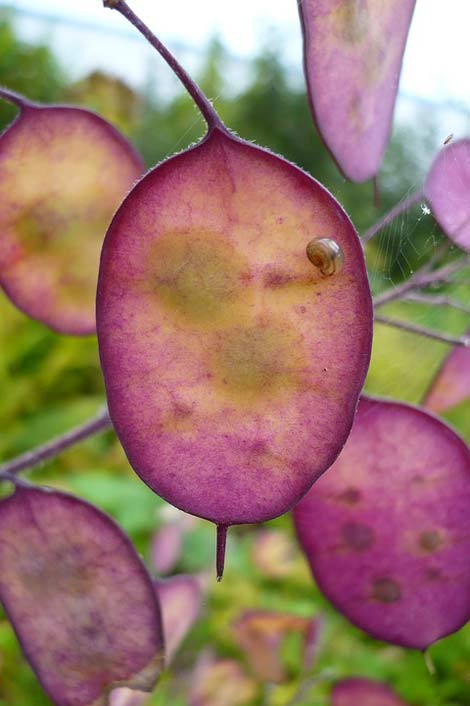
[49, 383]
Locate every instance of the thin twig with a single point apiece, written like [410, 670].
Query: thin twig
[55, 447]
[17, 99]
[436, 300]
[421, 278]
[201, 100]
[396, 211]
[422, 331]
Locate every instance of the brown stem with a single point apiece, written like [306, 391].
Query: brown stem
[55, 447]
[396, 211]
[220, 551]
[422, 331]
[203, 103]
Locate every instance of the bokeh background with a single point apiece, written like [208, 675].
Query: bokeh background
[49, 383]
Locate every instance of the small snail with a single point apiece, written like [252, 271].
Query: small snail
[326, 255]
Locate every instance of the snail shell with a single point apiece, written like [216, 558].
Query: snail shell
[326, 255]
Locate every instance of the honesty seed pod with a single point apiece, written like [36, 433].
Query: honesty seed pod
[387, 529]
[353, 52]
[79, 598]
[232, 365]
[63, 173]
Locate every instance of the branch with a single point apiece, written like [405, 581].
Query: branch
[421, 278]
[55, 447]
[436, 300]
[422, 331]
[396, 211]
[208, 111]
[13, 97]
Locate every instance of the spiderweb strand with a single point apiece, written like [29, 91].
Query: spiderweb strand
[421, 278]
[396, 211]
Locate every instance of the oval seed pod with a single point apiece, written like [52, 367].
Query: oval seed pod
[79, 598]
[352, 58]
[387, 529]
[232, 365]
[63, 173]
[363, 692]
[451, 385]
[446, 189]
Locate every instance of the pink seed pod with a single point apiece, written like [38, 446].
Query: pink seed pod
[446, 189]
[80, 600]
[363, 692]
[220, 340]
[352, 58]
[63, 173]
[451, 386]
[387, 529]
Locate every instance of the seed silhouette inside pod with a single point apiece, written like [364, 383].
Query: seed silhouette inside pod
[325, 254]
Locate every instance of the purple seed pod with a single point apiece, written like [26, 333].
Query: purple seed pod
[352, 58]
[451, 385]
[387, 529]
[63, 173]
[261, 634]
[180, 599]
[80, 600]
[446, 190]
[363, 692]
[220, 337]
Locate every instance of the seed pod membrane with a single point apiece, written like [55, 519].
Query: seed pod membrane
[451, 385]
[352, 57]
[180, 600]
[79, 598]
[261, 634]
[363, 692]
[220, 342]
[63, 173]
[387, 529]
[446, 189]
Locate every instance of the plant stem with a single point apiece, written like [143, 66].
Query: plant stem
[20, 101]
[436, 300]
[422, 331]
[53, 448]
[203, 103]
[396, 211]
[421, 278]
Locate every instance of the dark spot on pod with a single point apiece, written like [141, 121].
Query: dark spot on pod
[386, 590]
[430, 541]
[433, 573]
[350, 496]
[276, 278]
[357, 536]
